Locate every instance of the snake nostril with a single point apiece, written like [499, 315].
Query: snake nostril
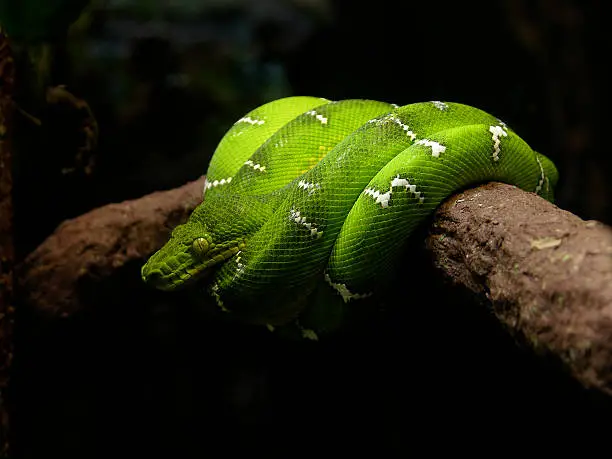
[151, 277]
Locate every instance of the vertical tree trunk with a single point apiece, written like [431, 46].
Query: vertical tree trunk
[6, 233]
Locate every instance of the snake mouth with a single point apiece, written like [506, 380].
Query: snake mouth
[179, 270]
[162, 280]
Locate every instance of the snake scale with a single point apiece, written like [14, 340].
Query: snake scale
[308, 202]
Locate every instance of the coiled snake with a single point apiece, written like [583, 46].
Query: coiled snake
[309, 202]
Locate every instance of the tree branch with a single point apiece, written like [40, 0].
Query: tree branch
[546, 274]
[94, 247]
[7, 249]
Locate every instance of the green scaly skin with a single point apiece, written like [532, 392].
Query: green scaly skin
[308, 202]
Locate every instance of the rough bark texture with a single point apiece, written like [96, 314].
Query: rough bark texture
[96, 245]
[546, 273]
[6, 233]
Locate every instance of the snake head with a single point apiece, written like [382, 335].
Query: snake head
[187, 256]
[216, 231]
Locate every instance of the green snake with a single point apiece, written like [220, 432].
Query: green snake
[308, 202]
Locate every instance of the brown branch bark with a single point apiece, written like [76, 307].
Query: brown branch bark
[92, 248]
[6, 234]
[546, 273]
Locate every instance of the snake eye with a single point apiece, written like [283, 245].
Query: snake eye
[200, 246]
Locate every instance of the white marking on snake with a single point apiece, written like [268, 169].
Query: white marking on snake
[214, 289]
[343, 290]
[501, 123]
[257, 167]
[541, 181]
[321, 118]
[405, 127]
[239, 264]
[439, 105]
[384, 198]
[252, 121]
[380, 198]
[298, 218]
[307, 186]
[436, 148]
[497, 132]
[216, 183]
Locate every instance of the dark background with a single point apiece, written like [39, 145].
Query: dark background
[151, 377]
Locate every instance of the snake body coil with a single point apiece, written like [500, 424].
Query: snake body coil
[310, 201]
